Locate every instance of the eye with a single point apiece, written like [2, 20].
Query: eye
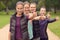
[18, 8]
[21, 8]
[31, 7]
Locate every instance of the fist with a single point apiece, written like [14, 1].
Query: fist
[30, 16]
[42, 17]
[57, 18]
[35, 14]
[36, 18]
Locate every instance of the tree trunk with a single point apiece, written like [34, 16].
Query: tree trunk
[7, 10]
[55, 10]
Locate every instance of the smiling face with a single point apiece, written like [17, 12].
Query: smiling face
[19, 8]
[32, 7]
[26, 8]
[42, 11]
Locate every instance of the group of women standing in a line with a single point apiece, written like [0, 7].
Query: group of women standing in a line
[27, 24]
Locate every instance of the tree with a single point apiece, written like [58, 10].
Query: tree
[52, 4]
[40, 3]
[6, 4]
[2, 6]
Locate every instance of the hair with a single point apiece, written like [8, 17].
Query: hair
[19, 2]
[43, 7]
[33, 3]
[26, 2]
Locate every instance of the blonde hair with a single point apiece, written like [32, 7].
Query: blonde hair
[26, 2]
[43, 7]
[33, 3]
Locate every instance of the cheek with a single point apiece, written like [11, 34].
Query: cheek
[16, 9]
[41, 11]
[35, 8]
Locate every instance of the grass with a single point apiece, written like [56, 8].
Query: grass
[55, 27]
[4, 19]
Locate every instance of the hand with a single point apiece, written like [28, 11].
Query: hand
[57, 18]
[35, 14]
[48, 15]
[42, 17]
[36, 18]
[30, 16]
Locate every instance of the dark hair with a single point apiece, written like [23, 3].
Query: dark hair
[19, 2]
[26, 2]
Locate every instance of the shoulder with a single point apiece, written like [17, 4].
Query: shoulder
[13, 16]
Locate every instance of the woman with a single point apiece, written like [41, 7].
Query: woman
[26, 8]
[34, 22]
[43, 24]
[19, 23]
[26, 12]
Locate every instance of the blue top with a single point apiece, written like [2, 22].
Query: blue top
[30, 30]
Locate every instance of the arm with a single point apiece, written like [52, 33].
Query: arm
[30, 16]
[9, 33]
[10, 29]
[39, 18]
[51, 20]
[36, 18]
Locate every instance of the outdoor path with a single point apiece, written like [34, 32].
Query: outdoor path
[4, 34]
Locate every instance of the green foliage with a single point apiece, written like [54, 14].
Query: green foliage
[52, 4]
[48, 3]
[40, 3]
[2, 6]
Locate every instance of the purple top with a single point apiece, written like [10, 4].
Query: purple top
[18, 31]
[43, 27]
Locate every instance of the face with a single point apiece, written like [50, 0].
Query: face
[19, 9]
[26, 8]
[32, 8]
[42, 11]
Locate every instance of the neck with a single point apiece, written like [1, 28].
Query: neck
[26, 13]
[18, 15]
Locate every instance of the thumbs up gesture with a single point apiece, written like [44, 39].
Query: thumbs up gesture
[42, 17]
[48, 15]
